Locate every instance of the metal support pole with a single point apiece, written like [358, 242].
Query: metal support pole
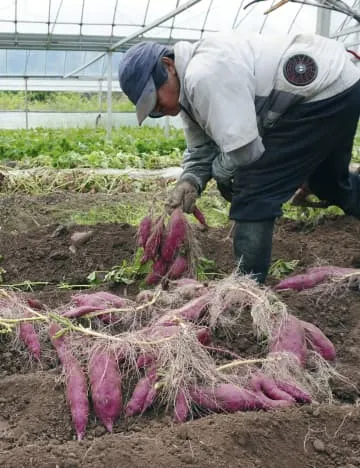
[109, 97]
[167, 127]
[323, 19]
[100, 97]
[26, 104]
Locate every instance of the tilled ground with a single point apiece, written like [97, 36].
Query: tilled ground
[35, 427]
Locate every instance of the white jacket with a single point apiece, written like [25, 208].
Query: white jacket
[233, 86]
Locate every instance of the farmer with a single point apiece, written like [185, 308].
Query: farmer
[262, 116]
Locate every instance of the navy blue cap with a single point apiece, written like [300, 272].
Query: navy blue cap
[141, 73]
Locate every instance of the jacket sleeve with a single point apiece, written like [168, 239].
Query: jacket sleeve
[199, 154]
[226, 164]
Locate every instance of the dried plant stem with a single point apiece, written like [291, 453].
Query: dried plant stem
[123, 310]
[242, 362]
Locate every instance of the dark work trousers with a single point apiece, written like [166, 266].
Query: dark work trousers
[311, 143]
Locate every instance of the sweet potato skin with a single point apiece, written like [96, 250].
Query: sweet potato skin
[105, 384]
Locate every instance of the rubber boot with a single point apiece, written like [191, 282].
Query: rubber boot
[253, 246]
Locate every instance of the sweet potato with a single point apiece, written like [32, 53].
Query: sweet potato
[191, 311]
[102, 299]
[158, 271]
[178, 267]
[181, 410]
[304, 281]
[58, 342]
[75, 381]
[152, 246]
[29, 337]
[143, 395]
[296, 392]
[290, 338]
[145, 360]
[34, 303]
[262, 383]
[318, 341]
[144, 231]
[231, 398]
[200, 217]
[105, 384]
[175, 235]
[77, 396]
[77, 312]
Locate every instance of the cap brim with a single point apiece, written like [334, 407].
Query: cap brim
[146, 102]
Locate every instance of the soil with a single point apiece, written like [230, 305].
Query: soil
[35, 426]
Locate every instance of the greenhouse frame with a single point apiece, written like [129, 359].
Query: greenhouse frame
[76, 45]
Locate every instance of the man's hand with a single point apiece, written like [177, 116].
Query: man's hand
[184, 196]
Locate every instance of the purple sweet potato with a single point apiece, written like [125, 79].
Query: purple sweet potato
[181, 410]
[290, 338]
[262, 383]
[296, 392]
[77, 312]
[304, 281]
[34, 303]
[145, 360]
[318, 341]
[75, 381]
[30, 338]
[152, 246]
[101, 299]
[152, 279]
[59, 343]
[77, 396]
[178, 268]
[200, 217]
[175, 235]
[158, 271]
[191, 311]
[144, 231]
[226, 397]
[143, 395]
[105, 384]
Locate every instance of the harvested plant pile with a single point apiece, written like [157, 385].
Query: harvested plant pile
[160, 350]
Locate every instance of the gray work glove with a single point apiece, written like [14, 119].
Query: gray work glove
[183, 196]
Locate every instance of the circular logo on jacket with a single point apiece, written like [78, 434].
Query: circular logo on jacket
[300, 70]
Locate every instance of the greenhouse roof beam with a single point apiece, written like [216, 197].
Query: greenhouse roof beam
[70, 42]
[135, 35]
[346, 31]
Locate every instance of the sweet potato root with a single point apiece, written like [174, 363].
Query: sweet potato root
[175, 235]
[75, 382]
[105, 384]
[318, 341]
[181, 410]
[30, 338]
[143, 395]
[290, 338]
[144, 231]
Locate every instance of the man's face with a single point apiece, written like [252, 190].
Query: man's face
[167, 102]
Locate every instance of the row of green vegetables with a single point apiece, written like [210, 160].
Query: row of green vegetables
[144, 147]
[52, 101]
[138, 147]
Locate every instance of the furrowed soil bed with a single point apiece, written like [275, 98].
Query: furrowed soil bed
[35, 425]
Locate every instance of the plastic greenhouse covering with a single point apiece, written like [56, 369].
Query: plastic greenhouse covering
[50, 39]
